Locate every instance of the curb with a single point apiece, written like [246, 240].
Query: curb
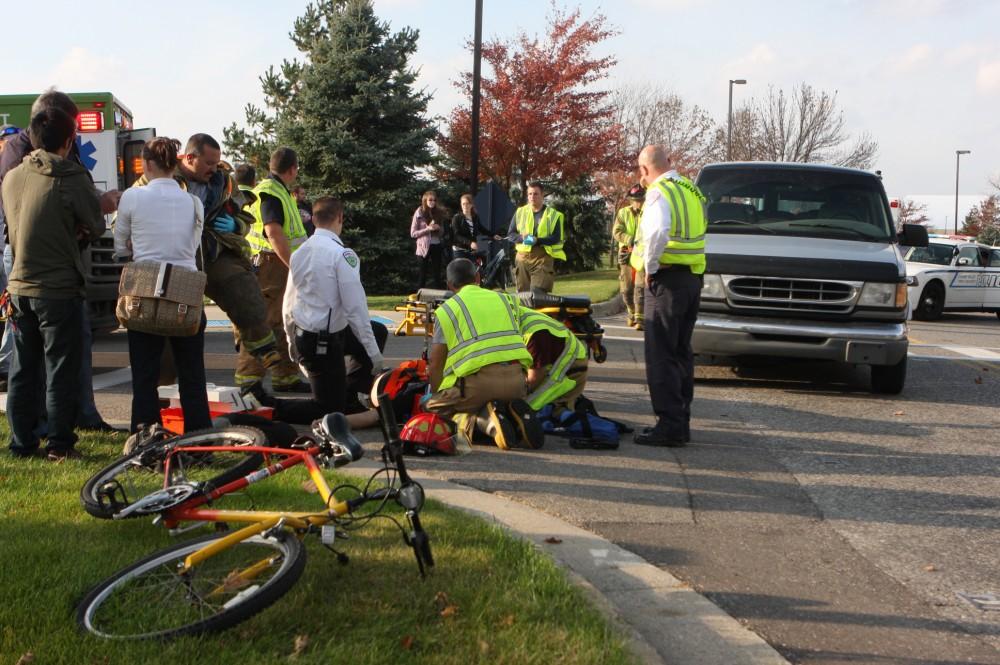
[609, 307]
[666, 620]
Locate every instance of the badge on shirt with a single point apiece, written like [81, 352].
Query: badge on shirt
[351, 258]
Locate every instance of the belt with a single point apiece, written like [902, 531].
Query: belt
[675, 267]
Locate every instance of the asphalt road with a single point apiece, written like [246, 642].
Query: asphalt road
[840, 526]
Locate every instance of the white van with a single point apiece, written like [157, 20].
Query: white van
[803, 262]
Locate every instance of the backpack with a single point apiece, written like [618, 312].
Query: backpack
[584, 426]
[404, 386]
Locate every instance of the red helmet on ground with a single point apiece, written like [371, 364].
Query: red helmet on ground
[428, 434]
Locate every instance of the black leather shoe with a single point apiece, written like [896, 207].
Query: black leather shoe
[653, 438]
[686, 438]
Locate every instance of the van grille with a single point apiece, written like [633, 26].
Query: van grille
[800, 295]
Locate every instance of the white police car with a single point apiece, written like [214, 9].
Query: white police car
[952, 275]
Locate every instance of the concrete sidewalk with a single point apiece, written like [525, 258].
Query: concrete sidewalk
[666, 621]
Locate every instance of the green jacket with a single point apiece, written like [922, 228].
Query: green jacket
[49, 202]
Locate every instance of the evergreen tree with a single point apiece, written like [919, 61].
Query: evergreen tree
[350, 111]
[588, 224]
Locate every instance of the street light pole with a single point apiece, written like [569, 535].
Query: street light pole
[729, 127]
[476, 60]
[958, 154]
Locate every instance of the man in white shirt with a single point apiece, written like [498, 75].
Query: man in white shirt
[672, 227]
[323, 298]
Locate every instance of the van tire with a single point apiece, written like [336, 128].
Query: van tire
[889, 379]
[931, 303]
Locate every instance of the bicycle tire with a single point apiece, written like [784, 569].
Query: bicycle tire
[138, 473]
[123, 598]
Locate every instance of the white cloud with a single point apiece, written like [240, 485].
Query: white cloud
[988, 77]
[909, 60]
[81, 69]
[911, 9]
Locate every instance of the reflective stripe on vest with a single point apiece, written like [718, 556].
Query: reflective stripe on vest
[480, 328]
[556, 382]
[686, 241]
[292, 226]
[552, 220]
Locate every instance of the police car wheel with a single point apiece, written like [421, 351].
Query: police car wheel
[931, 303]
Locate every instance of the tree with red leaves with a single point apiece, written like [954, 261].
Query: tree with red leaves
[542, 116]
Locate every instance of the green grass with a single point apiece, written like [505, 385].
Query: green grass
[600, 285]
[513, 604]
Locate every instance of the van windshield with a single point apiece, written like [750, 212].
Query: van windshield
[801, 202]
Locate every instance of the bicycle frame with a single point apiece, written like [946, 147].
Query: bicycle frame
[259, 520]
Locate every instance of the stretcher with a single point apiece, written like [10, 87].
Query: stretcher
[417, 310]
[576, 314]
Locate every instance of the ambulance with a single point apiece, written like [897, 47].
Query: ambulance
[111, 148]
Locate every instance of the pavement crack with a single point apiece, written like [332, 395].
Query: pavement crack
[687, 486]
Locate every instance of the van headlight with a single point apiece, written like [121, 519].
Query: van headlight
[875, 294]
[712, 289]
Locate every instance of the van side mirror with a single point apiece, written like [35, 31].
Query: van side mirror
[913, 235]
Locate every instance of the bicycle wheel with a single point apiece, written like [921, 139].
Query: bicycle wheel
[134, 476]
[150, 599]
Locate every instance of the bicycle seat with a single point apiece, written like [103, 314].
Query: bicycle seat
[334, 429]
[537, 300]
[434, 295]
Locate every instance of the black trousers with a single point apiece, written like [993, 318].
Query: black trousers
[325, 369]
[144, 352]
[671, 309]
[360, 380]
[430, 267]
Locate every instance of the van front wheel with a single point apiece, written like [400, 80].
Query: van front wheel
[889, 379]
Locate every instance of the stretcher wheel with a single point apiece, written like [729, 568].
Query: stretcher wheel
[600, 353]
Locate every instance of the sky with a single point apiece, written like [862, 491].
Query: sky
[922, 76]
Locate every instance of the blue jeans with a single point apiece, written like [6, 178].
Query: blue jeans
[7, 346]
[88, 417]
[46, 333]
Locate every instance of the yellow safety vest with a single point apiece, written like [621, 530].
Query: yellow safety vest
[686, 242]
[480, 328]
[552, 220]
[556, 384]
[292, 227]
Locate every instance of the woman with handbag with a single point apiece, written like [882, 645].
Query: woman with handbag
[159, 226]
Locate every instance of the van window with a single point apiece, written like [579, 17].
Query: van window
[792, 201]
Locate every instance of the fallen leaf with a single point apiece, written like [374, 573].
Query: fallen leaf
[552, 540]
[441, 600]
[507, 621]
[484, 647]
[930, 568]
[310, 487]
[26, 659]
[300, 644]
[899, 413]
[234, 581]
[407, 642]
[979, 379]
[449, 611]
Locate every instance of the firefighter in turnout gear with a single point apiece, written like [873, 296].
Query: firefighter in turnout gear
[539, 231]
[631, 275]
[276, 233]
[225, 254]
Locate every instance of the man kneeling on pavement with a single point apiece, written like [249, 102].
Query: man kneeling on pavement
[478, 363]
[558, 371]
